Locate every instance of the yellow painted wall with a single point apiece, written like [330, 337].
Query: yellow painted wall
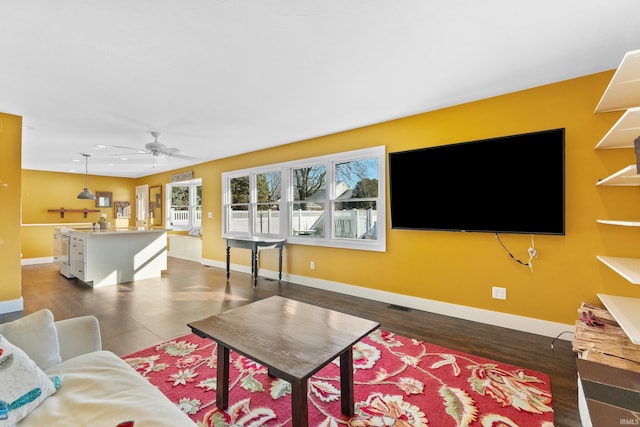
[461, 268]
[52, 190]
[10, 187]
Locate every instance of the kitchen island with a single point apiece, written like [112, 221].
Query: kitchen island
[121, 255]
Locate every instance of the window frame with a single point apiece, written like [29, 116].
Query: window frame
[192, 207]
[285, 168]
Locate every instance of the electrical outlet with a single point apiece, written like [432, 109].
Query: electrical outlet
[498, 293]
[312, 265]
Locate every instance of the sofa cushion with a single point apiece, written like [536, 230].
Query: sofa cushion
[100, 389]
[36, 335]
[23, 385]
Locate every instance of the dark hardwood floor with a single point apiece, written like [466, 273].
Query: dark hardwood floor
[140, 314]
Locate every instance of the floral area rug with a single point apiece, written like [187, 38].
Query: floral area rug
[398, 381]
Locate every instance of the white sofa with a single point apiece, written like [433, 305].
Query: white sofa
[98, 388]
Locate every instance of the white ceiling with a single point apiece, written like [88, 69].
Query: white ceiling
[222, 77]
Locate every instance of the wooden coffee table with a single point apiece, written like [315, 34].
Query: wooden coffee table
[292, 339]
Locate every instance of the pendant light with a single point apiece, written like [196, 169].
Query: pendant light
[86, 193]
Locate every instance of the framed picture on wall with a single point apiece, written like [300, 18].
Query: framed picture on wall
[104, 199]
[122, 209]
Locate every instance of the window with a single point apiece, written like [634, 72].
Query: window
[239, 207]
[308, 185]
[267, 206]
[184, 200]
[336, 200]
[355, 199]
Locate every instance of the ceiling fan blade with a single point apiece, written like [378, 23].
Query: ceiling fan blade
[129, 154]
[169, 150]
[181, 156]
[131, 148]
[157, 150]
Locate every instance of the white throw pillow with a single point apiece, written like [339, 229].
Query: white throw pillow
[37, 336]
[23, 384]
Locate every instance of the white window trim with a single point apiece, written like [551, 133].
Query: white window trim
[378, 245]
[167, 202]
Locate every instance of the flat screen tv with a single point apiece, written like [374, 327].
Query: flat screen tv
[510, 184]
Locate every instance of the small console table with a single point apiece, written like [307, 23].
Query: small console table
[255, 243]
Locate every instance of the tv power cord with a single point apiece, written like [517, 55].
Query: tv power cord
[533, 253]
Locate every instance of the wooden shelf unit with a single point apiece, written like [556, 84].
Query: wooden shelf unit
[62, 211]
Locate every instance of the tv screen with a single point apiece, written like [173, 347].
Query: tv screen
[511, 184]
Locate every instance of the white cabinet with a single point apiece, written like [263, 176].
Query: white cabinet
[185, 247]
[108, 257]
[77, 255]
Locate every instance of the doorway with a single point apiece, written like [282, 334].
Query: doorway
[142, 203]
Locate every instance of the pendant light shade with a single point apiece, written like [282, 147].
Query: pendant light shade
[86, 193]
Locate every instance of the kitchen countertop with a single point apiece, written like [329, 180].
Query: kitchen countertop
[128, 230]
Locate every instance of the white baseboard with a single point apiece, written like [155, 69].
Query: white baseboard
[32, 261]
[11, 305]
[504, 320]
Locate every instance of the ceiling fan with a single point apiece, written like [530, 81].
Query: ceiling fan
[156, 149]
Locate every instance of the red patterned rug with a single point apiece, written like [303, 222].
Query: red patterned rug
[398, 381]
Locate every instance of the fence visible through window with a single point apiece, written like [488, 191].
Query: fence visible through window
[348, 224]
[180, 217]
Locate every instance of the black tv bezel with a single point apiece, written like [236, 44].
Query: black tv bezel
[498, 230]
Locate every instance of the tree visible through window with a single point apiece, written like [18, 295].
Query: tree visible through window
[308, 204]
[238, 215]
[267, 213]
[355, 199]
